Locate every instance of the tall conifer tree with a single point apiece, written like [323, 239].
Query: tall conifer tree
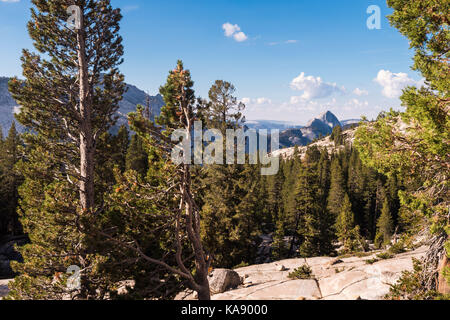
[69, 97]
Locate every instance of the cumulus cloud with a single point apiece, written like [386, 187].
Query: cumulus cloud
[240, 36]
[360, 92]
[394, 83]
[233, 30]
[314, 87]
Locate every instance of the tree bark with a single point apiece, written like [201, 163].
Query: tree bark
[443, 285]
[193, 222]
[86, 183]
[86, 147]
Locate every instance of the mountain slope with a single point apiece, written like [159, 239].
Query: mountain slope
[131, 98]
[322, 125]
[7, 105]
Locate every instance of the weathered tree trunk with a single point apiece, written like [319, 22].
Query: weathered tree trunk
[193, 224]
[443, 286]
[86, 133]
[86, 148]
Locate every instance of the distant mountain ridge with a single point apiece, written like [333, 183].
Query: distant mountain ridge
[291, 133]
[7, 105]
[131, 98]
[320, 126]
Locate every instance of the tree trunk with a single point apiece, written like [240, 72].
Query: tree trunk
[86, 148]
[86, 133]
[443, 285]
[204, 294]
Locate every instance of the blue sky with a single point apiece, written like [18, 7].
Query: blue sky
[289, 60]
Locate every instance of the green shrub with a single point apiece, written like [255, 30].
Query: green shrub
[303, 272]
[397, 248]
[409, 286]
[385, 255]
[372, 261]
[241, 265]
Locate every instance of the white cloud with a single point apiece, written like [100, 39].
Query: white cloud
[9, 0]
[314, 87]
[240, 36]
[230, 29]
[394, 83]
[233, 30]
[360, 92]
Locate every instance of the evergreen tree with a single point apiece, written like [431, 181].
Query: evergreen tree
[419, 153]
[356, 186]
[347, 232]
[315, 222]
[231, 208]
[279, 249]
[10, 180]
[120, 144]
[385, 226]
[337, 191]
[307, 213]
[156, 218]
[136, 157]
[336, 136]
[68, 98]
[273, 199]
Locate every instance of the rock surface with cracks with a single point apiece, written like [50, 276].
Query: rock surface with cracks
[349, 278]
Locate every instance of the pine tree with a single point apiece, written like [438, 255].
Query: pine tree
[10, 180]
[337, 191]
[419, 153]
[156, 218]
[356, 186]
[136, 157]
[120, 144]
[347, 232]
[232, 197]
[336, 136]
[385, 226]
[314, 222]
[68, 98]
[279, 249]
[273, 200]
[247, 220]
[307, 213]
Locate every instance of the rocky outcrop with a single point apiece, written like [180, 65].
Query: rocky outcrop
[221, 280]
[351, 278]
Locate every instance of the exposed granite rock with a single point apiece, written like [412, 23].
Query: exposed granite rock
[349, 278]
